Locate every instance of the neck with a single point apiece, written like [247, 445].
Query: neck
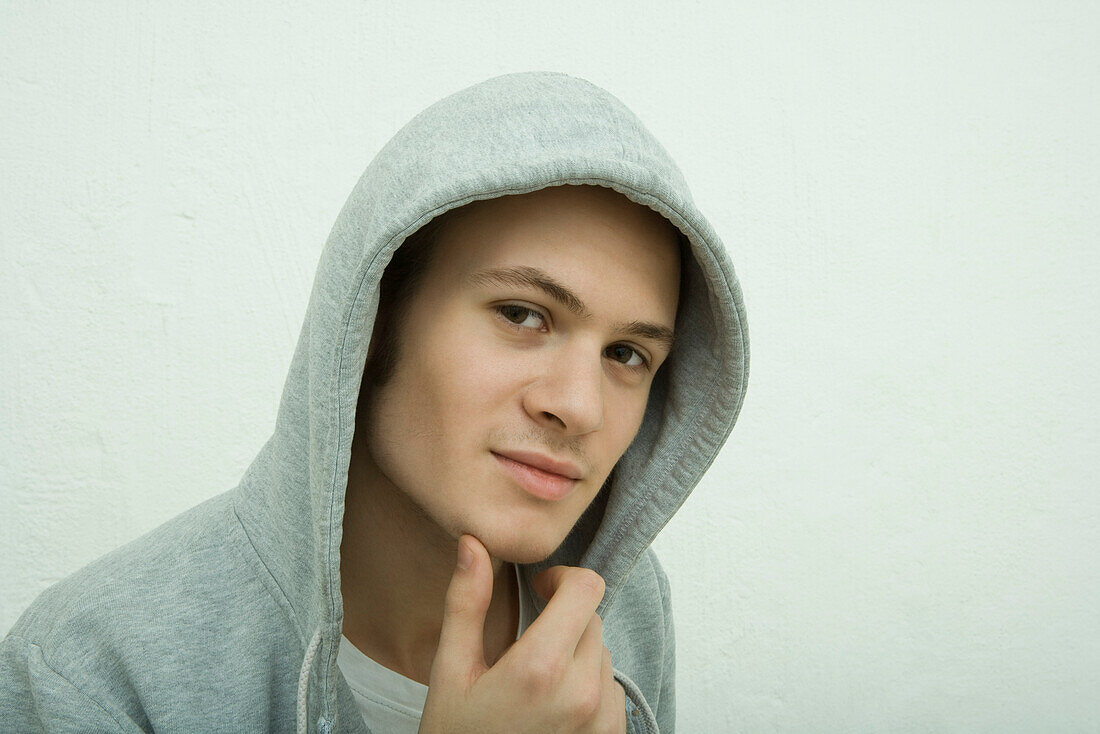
[396, 563]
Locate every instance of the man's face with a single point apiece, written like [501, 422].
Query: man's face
[490, 365]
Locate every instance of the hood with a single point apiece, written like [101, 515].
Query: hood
[511, 134]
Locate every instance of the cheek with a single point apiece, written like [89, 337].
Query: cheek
[407, 421]
[458, 381]
[479, 369]
[621, 424]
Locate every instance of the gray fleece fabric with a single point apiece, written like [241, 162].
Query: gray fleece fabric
[227, 618]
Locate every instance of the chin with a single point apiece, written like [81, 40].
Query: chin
[513, 545]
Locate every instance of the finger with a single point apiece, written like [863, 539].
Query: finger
[574, 594]
[547, 581]
[620, 709]
[611, 714]
[460, 655]
[613, 703]
[587, 678]
[590, 647]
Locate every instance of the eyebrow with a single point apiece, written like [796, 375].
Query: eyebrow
[524, 276]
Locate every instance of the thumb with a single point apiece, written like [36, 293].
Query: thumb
[461, 652]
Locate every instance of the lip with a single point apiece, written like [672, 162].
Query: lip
[536, 481]
[544, 463]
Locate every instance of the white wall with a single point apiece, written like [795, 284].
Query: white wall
[902, 532]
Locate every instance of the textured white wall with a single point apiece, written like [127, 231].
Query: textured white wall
[902, 533]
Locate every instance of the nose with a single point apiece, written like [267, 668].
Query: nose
[568, 396]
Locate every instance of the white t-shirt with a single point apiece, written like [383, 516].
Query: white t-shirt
[390, 702]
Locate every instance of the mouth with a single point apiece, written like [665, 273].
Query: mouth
[538, 482]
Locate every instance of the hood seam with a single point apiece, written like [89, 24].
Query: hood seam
[285, 602]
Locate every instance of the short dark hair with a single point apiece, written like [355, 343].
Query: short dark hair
[397, 290]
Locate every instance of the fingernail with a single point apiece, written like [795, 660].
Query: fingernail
[465, 556]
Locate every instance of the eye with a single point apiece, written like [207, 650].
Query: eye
[637, 360]
[518, 315]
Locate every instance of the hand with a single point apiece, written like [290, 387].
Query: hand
[556, 679]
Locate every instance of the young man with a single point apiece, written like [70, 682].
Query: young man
[524, 347]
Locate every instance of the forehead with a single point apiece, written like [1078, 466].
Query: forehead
[580, 233]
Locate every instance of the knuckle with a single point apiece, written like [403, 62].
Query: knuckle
[591, 580]
[454, 604]
[586, 704]
[458, 605]
[542, 675]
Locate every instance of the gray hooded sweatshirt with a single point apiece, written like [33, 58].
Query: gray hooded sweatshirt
[228, 617]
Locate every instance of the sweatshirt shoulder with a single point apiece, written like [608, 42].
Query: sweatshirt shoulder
[146, 572]
[36, 698]
[648, 582]
[642, 603]
[173, 631]
[80, 648]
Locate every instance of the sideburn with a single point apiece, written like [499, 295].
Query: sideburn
[397, 288]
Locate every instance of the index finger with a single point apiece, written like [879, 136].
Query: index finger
[574, 593]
